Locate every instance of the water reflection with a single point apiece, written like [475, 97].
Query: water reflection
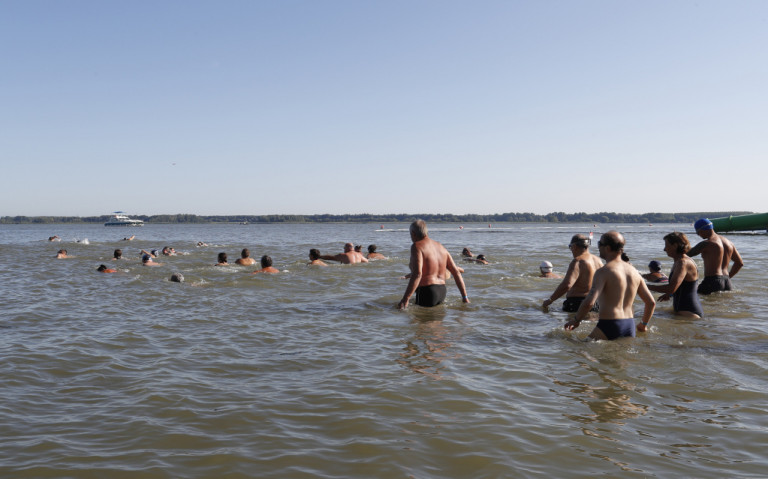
[430, 345]
[611, 401]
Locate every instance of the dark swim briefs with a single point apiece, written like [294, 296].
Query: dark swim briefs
[431, 295]
[617, 328]
[713, 284]
[571, 305]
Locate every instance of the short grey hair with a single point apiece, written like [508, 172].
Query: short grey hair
[419, 229]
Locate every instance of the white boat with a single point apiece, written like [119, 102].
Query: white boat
[120, 219]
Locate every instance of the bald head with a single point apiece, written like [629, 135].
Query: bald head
[613, 240]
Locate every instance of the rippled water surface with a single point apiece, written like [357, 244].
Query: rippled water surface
[313, 372]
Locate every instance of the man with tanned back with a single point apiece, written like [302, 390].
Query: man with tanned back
[717, 253]
[349, 256]
[615, 285]
[428, 264]
[578, 278]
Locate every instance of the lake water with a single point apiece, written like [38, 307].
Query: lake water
[313, 373]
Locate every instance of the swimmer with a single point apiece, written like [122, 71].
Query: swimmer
[103, 269]
[717, 253]
[681, 286]
[222, 259]
[314, 258]
[266, 266]
[146, 260]
[429, 263]
[152, 254]
[200, 244]
[118, 254]
[129, 238]
[372, 254]
[177, 278]
[54, 238]
[466, 253]
[245, 258]
[168, 251]
[615, 285]
[349, 256]
[359, 248]
[545, 268]
[62, 253]
[655, 275]
[578, 279]
[480, 259]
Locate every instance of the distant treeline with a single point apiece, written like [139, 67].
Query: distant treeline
[557, 217]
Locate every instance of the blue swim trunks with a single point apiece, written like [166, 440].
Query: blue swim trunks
[617, 328]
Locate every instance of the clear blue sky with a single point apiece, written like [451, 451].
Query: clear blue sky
[397, 106]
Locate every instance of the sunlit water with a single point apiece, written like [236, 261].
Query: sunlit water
[313, 372]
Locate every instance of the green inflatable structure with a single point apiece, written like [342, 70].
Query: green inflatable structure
[755, 222]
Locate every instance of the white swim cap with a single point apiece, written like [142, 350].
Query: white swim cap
[545, 266]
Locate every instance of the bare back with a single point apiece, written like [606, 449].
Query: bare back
[617, 283]
[433, 258]
[713, 255]
[583, 267]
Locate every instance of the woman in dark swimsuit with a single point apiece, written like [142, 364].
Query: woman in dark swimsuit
[682, 279]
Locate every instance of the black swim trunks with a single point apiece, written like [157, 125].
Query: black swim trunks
[617, 328]
[571, 305]
[431, 295]
[713, 284]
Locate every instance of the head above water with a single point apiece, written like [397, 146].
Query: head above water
[177, 278]
[613, 240]
[580, 241]
[314, 254]
[418, 229]
[545, 267]
[371, 248]
[654, 266]
[703, 224]
[245, 253]
[266, 261]
[222, 257]
[679, 241]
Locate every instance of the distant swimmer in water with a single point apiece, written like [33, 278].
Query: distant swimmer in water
[359, 248]
[466, 253]
[681, 286]
[54, 238]
[717, 253]
[545, 268]
[266, 266]
[103, 269]
[152, 253]
[245, 258]
[62, 253]
[578, 279]
[177, 278]
[615, 285]
[372, 254]
[129, 238]
[146, 260]
[118, 254]
[200, 244]
[349, 256]
[222, 259]
[314, 258]
[480, 259]
[428, 264]
[168, 251]
[655, 275]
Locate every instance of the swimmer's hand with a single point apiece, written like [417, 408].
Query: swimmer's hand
[545, 304]
[663, 297]
[572, 324]
[642, 327]
[402, 304]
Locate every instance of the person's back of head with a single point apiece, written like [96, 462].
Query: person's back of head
[314, 254]
[371, 248]
[545, 267]
[177, 278]
[613, 240]
[101, 268]
[245, 253]
[266, 261]
[118, 253]
[146, 258]
[359, 248]
[222, 257]
[678, 239]
[654, 266]
[418, 229]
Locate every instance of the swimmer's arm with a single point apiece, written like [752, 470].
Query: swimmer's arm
[650, 306]
[697, 249]
[456, 272]
[565, 284]
[737, 263]
[415, 266]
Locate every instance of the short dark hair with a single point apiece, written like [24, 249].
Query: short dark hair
[266, 261]
[580, 240]
[222, 257]
[314, 253]
[371, 248]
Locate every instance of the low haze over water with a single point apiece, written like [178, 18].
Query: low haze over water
[314, 373]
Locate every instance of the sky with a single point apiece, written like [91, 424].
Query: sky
[309, 107]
